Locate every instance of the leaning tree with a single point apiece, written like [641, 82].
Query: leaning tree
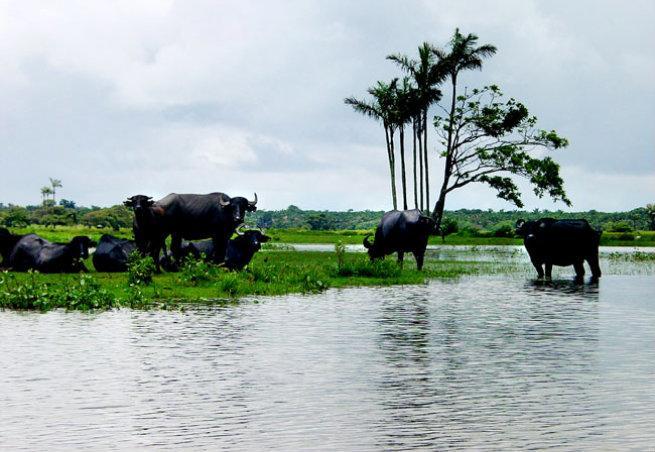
[488, 140]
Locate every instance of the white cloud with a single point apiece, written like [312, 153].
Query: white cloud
[157, 96]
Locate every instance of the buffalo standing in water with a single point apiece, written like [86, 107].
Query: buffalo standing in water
[112, 254]
[401, 231]
[35, 253]
[561, 242]
[195, 217]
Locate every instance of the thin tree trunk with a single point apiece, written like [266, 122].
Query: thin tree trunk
[402, 165]
[391, 165]
[393, 169]
[420, 161]
[414, 160]
[437, 214]
[425, 152]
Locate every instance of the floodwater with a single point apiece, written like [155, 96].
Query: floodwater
[501, 362]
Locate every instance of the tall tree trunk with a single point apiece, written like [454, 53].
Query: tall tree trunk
[391, 164]
[420, 161]
[437, 214]
[392, 153]
[414, 160]
[402, 165]
[425, 153]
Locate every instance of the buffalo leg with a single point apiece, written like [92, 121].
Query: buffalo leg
[419, 259]
[401, 257]
[595, 267]
[549, 271]
[176, 247]
[220, 247]
[579, 271]
[540, 270]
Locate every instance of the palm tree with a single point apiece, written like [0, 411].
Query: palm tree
[45, 192]
[463, 55]
[382, 109]
[427, 75]
[55, 183]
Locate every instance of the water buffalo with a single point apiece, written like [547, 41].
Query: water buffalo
[146, 226]
[241, 249]
[239, 252]
[401, 231]
[7, 243]
[561, 242]
[195, 217]
[112, 253]
[35, 253]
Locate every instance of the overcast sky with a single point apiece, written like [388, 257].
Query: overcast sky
[152, 97]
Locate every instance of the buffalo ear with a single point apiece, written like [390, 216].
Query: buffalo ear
[128, 203]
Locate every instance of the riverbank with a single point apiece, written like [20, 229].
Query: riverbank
[272, 272]
[280, 272]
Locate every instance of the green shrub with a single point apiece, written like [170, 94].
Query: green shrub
[195, 270]
[140, 269]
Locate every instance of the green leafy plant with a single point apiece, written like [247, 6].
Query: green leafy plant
[140, 270]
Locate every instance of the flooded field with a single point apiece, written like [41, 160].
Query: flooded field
[487, 361]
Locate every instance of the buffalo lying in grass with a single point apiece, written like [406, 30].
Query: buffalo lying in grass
[112, 254]
[32, 252]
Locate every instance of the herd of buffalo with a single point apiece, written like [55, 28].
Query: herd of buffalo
[202, 226]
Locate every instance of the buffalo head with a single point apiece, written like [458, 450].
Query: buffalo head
[79, 246]
[374, 252]
[139, 202]
[238, 206]
[252, 237]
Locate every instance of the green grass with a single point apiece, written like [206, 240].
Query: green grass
[348, 237]
[270, 273]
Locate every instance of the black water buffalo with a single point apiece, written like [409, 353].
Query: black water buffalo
[7, 243]
[401, 231]
[561, 242]
[35, 253]
[241, 249]
[112, 253]
[146, 226]
[195, 217]
[239, 252]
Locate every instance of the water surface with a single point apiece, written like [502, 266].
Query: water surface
[500, 362]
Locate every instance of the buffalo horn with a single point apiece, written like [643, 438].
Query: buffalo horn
[253, 203]
[238, 230]
[224, 203]
[520, 223]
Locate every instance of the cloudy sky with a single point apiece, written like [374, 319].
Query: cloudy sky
[126, 97]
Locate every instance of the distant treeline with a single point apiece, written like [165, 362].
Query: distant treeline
[119, 216]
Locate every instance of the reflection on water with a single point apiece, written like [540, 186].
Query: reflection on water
[500, 362]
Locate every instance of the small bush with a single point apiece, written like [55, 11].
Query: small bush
[140, 270]
[340, 250]
[195, 270]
